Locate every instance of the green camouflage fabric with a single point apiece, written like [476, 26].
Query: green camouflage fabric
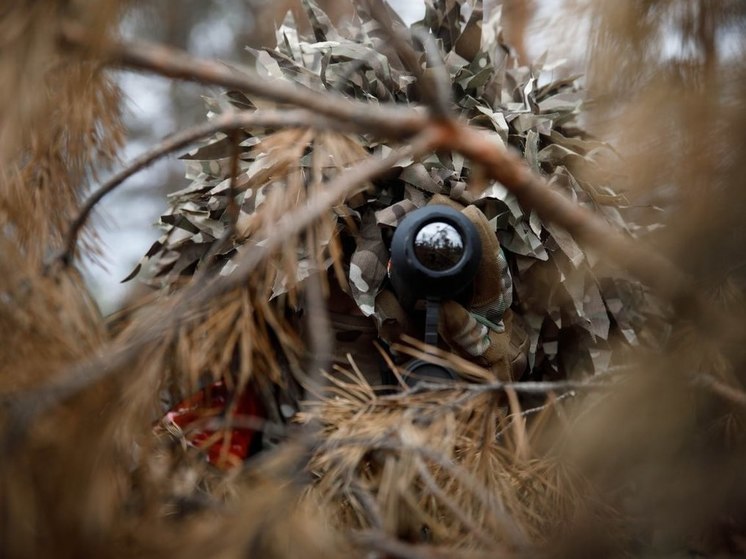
[574, 309]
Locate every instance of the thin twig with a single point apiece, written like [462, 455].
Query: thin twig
[226, 422]
[320, 329]
[182, 139]
[394, 34]
[587, 228]
[321, 347]
[725, 391]
[368, 503]
[434, 88]
[531, 411]
[437, 82]
[528, 387]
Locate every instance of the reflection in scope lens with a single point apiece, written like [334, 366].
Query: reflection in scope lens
[438, 246]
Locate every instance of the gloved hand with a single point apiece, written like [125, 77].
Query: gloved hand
[488, 332]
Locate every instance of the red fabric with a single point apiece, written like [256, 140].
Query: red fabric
[225, 448]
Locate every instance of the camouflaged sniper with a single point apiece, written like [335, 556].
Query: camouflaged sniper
[572, 309]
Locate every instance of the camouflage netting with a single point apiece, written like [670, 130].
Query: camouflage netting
[576, 307]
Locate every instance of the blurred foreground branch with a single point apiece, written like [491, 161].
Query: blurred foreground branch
[388, 121]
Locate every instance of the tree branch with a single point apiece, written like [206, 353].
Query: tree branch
[182, 139]
[386, 120]
[726, 391]
[587, 228]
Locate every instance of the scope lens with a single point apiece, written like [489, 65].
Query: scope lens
[438, 246]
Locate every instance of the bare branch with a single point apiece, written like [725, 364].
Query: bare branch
[386, 120]
[437, 81]
[434, 87]
[727, 392]
[587, 228]
[526, 387]
[182, 139]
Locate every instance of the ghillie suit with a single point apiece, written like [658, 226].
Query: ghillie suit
[385, 461]
[573, 306]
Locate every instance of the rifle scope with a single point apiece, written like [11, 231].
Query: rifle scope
[435, 255]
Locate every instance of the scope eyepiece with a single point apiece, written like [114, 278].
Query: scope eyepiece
[438, 246]
[435, 253]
